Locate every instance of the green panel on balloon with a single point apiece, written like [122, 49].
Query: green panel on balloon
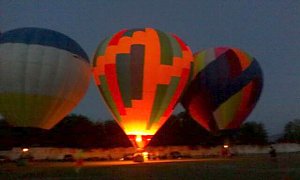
[249, 58]
[29, 110]
[108, 97]
[123, 74]
[190, 74]
[164, 94]
[166, 52]
[199, 62]
[177, 52]
[137, 58]
[169, 95]
[101, 48]
[160, 93]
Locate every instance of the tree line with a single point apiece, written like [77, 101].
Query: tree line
[78, 131]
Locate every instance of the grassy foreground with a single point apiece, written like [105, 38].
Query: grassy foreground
[286, 166]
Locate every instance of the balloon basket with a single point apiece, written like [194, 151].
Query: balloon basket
[140, 141]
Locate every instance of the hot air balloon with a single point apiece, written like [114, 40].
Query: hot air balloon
[141, 74]
[43, 76]
[226, 85]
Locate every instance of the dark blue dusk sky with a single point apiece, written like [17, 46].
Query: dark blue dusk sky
[269, 30]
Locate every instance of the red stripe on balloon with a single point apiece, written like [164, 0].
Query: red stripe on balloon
[181, 43]
[181, 85]
[96, 74]
[235, 68]
[200, 110]
[111, 76]
[220, 50]
[244, 109]
[115, 39]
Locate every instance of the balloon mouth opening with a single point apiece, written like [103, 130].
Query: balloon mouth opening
[139, 141]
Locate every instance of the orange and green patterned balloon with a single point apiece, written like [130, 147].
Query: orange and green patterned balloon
[141, 74]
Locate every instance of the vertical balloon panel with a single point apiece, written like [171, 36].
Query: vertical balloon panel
[141, 74]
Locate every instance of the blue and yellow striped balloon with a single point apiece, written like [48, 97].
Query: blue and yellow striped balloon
[43, 76]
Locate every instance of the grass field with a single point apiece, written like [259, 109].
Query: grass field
[286, 166]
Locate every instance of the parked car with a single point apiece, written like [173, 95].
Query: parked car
[175, 155]
[4, 158]
[138, 157]
[127, 157]
[68, 158]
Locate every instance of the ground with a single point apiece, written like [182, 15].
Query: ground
[285, 166]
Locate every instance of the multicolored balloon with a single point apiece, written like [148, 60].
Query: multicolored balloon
[141, 74]
[43, 76]
[225, 87]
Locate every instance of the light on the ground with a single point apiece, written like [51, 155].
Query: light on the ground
[25, 149]
[226, 146]
[145, 155]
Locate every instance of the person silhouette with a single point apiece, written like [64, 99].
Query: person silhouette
[272, 152]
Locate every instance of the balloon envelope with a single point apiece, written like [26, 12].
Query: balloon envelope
[226, 85]
[141, 74]
[43, 76]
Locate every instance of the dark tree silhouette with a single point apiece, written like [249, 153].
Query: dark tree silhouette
[252, 133]
[181, 129]
[20, 136]
[6, 136]
[114, 135]
[75, 131]
[292, 131]
[78, 131]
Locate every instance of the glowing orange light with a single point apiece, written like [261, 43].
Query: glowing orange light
[225, 146]
[25, 149]
[145, 155]
[138, 138]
